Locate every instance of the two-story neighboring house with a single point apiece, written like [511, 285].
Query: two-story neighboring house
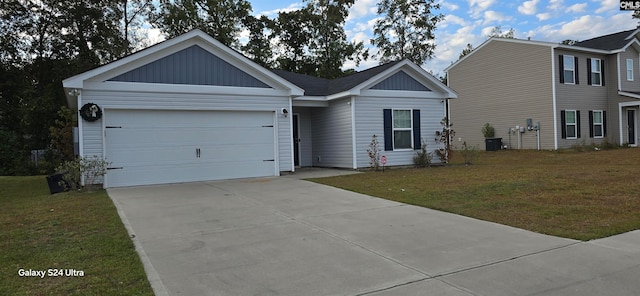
[543, 95]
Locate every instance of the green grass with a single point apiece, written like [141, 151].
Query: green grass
[73, 230]
[580, 195]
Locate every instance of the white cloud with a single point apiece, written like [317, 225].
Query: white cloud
[449, 5]
[555, 5]
[449, 47]
[491, 16]
[576, 8]
[274, 12]
[543, 16]
[477, 7]
[362, 8]
[361, 37]
[586, 27]
[452, 20]
[608, 5]
[486, 31]
[528, 7]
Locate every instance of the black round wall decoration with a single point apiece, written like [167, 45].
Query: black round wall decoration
[90, 112]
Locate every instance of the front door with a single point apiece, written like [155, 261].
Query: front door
[296, 141]
[631, 123]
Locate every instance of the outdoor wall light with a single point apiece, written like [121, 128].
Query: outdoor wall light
[285, 112]
[74, 92]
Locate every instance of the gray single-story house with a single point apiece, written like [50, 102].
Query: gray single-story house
[192, 109]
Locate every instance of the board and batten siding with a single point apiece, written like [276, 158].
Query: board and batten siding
[332, 135]
[503, 83]
[93, 131]
[193, 66]
[369, 122]
[582, 97]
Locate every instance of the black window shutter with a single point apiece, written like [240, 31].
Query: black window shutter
[388, 130]
[602, 72]
[578, 123]
[575, 69]
[589, 72]
[417, 141]
[590, 124]
[563, 124]
[604, 123]
[561, 62]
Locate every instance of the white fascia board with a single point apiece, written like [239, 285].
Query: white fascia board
[412, 69]
[443, 88]
[195, 37]
[408, 94]
[310, 101]
[628, 94]
[351, 92]
[117, 86]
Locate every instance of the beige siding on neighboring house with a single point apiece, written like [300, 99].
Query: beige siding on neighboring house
[581, 96]
[503, 83]
[626, 85]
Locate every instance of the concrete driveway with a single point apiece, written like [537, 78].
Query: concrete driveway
[284, 236]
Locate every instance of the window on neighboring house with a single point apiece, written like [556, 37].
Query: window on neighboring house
[569, 69]
[402, 132]
[597, 123]
[630, 69]
[570, 124]
[596, 67]
[401, 129]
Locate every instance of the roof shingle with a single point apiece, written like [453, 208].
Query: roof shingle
[315, 86]
[608, 42]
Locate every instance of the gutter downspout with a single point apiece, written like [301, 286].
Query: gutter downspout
[553, 94]
[354, 147]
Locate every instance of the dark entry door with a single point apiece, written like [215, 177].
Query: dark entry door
[296, 141]
[631, 123]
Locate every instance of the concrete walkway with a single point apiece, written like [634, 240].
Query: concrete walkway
[284, 236]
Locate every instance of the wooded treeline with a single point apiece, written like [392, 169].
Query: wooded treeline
[43, 42]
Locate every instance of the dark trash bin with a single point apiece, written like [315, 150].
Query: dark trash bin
[493, 144]
[55, 181]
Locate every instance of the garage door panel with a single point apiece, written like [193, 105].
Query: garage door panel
[155, 147]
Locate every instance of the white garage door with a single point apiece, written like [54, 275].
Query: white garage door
[156, 147]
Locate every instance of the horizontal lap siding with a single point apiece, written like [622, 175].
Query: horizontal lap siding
[503, 83]
[92, 132]
[369, 121]
[332, 137]
[582, 97]
[305, 134]
[630, 53]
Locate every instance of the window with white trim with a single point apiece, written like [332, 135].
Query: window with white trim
[629, 69]
[402, 129]
[596, 72]
[598, 124]
[569, 69]
[571, 124]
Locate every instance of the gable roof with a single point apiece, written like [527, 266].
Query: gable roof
[315, 86]
[609, 42]
[156, 52]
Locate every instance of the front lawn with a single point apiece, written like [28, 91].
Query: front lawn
[580, 195]
[76, 238]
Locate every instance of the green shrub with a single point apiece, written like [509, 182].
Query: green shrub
[422, 157]
[469, 153]
[488, 131]
[92, 169]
